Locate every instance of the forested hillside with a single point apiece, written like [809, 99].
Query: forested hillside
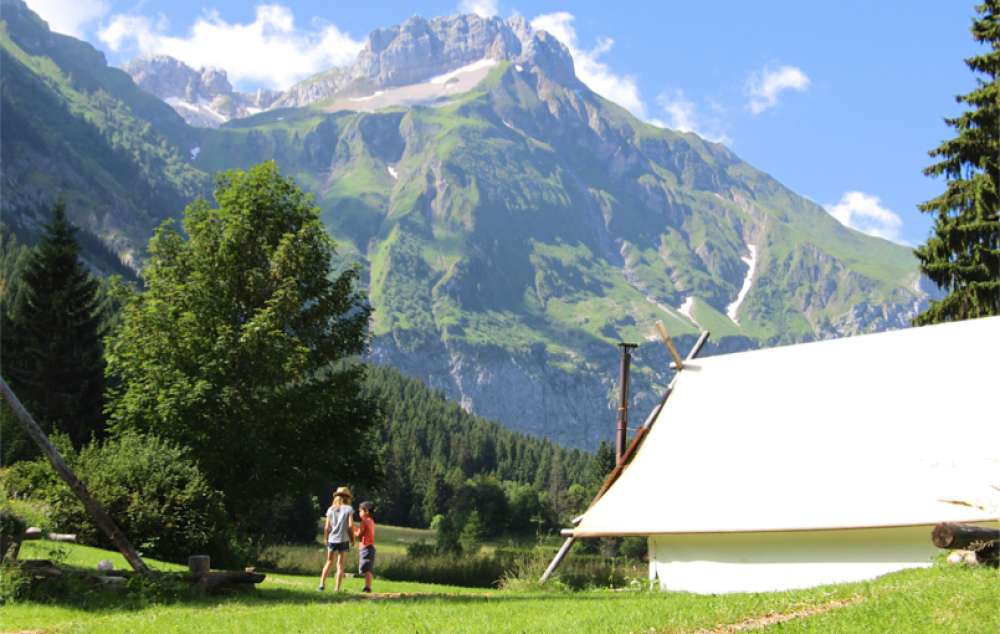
[432, 448]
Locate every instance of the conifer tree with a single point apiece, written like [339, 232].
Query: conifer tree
[53, 354]
[963, 254]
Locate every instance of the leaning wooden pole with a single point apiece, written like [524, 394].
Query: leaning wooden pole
[101, 517]
[625, 456]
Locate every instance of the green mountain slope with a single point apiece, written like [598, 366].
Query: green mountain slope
[72, 127]
[514, 233]
[510, 234]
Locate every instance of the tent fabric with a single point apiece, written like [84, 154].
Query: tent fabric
[885, 430]
[764, 562]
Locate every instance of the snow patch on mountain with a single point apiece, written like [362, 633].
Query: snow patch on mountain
[468, 68]
[686, 309]
[751, 263]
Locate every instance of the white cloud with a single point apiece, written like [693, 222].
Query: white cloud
[765, 86]
[865, 213]
[682, 115]
[269, 51]
[69, 16]
[482, 8]
[622, 89]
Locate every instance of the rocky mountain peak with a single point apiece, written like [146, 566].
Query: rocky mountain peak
[167, 77]
[419, 49]
[203, 97]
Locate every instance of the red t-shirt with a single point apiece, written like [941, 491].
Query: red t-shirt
[367, 532]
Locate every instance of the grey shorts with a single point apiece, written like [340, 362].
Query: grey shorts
[366, 559]
[338, 547]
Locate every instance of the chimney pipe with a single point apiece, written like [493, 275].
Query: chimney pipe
[623, 377]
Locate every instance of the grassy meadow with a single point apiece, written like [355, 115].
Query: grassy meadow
[939, 599]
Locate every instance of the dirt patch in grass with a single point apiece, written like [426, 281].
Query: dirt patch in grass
[774, 618]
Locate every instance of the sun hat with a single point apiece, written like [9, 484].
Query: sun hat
[343, 492]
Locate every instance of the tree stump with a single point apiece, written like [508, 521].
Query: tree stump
[199, 565]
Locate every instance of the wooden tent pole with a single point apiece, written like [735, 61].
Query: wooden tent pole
[101, 517]
[626, 457]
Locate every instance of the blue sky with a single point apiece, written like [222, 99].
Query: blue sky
[838, 101]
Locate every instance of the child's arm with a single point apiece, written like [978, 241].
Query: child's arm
[354, 528]
[326, 530]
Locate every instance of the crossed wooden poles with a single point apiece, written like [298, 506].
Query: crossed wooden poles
[626, 456]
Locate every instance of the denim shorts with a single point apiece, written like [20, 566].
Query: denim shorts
[338, 547]
[366, 559]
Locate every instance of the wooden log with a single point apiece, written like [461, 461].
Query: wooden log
[215, 581]
[96, 511]
[963, 536]
[36, 533]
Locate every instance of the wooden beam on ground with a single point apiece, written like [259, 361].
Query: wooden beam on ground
[101, 517]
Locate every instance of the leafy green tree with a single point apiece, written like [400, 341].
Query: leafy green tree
[53, 356]
[240, 348]
[963, 254]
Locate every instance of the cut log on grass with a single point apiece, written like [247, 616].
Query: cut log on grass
[36, 533]
[963, 536]
[983, 542]
[215, 581]
[96, 511]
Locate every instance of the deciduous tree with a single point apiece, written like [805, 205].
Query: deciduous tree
[240, 347]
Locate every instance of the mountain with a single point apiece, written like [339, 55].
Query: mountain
[513, 225]
[203, 97]
[75, 128]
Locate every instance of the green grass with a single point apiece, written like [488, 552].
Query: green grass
[939, 599]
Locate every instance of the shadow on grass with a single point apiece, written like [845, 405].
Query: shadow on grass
[75, 590]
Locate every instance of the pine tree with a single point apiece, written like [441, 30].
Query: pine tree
[55, 331]
[963, 254]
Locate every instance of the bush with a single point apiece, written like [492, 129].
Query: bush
[151, 488]
[11, 529]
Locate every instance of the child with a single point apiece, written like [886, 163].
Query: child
[338, 534]
[366, 533]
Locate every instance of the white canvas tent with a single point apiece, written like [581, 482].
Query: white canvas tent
[815, 463]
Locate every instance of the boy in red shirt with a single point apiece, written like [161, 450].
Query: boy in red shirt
[366, 534]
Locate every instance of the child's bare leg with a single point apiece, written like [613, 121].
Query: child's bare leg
[368, 580]
[326, 569]
[340, 569]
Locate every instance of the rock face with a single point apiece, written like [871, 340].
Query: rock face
[410, 53]
[204, 97]
[419, 49]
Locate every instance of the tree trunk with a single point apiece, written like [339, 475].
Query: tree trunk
[101, 517]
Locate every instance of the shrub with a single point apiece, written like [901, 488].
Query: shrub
[151, 488]
[11, 529]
